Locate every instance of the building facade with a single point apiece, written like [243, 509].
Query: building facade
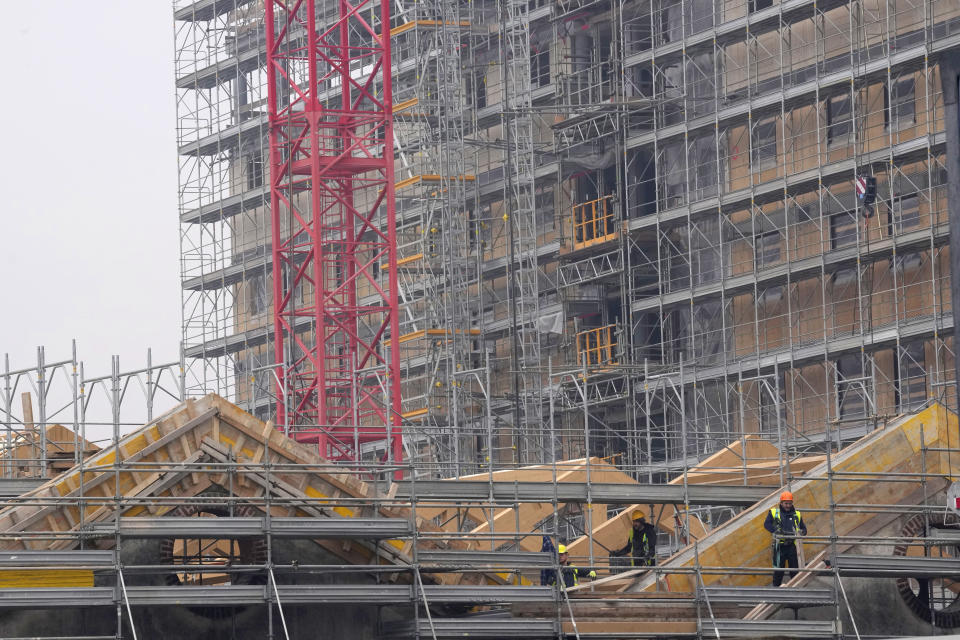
[628, 229]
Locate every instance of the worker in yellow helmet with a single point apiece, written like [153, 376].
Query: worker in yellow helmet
[786, 524]
[570, 572]
[642, 543]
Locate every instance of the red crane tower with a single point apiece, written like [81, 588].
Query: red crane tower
[333, 219]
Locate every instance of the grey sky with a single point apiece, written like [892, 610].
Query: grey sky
[89, 240]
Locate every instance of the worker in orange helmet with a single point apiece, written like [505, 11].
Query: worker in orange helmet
[570, 572]
[786, 524]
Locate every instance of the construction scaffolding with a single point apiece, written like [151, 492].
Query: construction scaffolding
[206, 519]
[635, 271]
[613, 219]
[713, 150]
[628, 233]
[56, 411]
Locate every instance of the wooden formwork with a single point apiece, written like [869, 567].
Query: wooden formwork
[888, 467]
[155, 469]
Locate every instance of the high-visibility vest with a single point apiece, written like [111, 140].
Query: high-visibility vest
[775, 513]
[563, 581]
[643, 540]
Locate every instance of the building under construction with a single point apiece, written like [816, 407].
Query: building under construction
[623, 229]
[507, 272]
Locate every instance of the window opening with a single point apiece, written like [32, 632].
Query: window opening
[766, 248]
[839, 123]
[900, 104]
[765, 144]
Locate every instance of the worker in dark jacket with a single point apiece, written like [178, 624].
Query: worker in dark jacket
[786, 524]
[642, 543]
[570, 573]
[547, 575]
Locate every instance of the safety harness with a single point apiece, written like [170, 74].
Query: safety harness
[646, 548]
[775, 514]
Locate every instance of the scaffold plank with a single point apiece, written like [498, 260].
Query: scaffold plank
[476, 627]
[454, 559]
[488, 594]
[208, 9]
[58, 598]
[771, 628]
[873, 566]
[234, 595]
[622, 630]
[68, 558]
[13, 487]
[241, 527]
[798, 269]
[771, 595]
[604, 493]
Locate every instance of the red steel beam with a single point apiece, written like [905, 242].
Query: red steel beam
[333, 218]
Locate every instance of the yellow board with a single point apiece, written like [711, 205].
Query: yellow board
[27, 578]
[743, 542]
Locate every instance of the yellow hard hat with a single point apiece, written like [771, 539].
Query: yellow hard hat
[562, 548]
[638, 515]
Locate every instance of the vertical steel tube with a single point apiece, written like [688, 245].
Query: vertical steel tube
[42, 407]
[950, 80]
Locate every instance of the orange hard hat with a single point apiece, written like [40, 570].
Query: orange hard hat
[786, 495]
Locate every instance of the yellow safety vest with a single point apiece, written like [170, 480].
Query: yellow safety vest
[563, 582]
[775, 512]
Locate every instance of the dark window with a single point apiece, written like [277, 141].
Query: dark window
[708, 262]
[671, 21]
[843, 229]
[765, 144]
[544, 202]
[770, 297]
[705, 170]
[907, 262]
[256, 295]
[700, 90]
[672, 92]
[843, 277]
[476, 89]
[707, 326]
[900, 104]
[481, 230]
[254, 170]
[839, 123]
[802, 212]
[699, 15]
[674, 175]
[757, 5]
[296, 300]
[911, 377]
[658, 449]
[770, 402]
[766, 248]
[473, 229]
[636, 32]
[540, 66]
[906, 212]
[851, 387]
[642, 85]
[706, 247]
[605, 66]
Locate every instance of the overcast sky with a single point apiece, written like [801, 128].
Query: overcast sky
[89, 241]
